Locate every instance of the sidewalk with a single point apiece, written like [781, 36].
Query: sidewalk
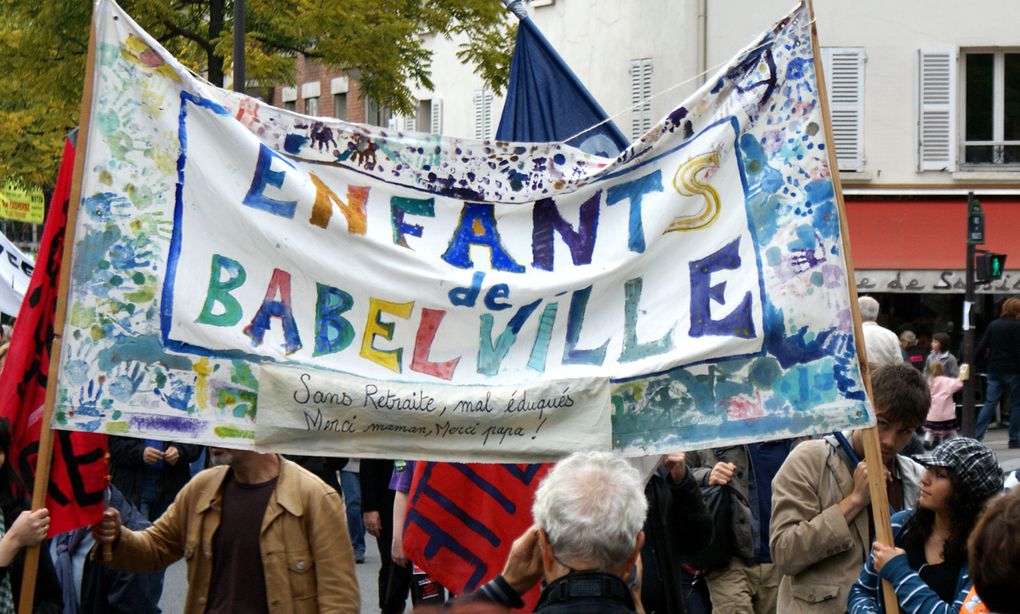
[997, 440]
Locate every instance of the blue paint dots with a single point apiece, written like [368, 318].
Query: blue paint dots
[293, 143]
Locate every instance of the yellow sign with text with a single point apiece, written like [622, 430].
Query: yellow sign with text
[20, 203]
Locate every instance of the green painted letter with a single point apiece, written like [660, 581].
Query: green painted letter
[219, 292]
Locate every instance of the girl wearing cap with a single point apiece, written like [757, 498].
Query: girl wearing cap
[928, 565]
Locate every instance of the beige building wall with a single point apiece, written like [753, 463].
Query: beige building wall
[892, 32]
[598, 39]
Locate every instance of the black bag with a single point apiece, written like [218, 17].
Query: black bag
[720, 550]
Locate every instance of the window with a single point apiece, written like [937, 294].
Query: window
[312, 105]
[483, 114]
[423, 118]
[288, 96]
[376, 114]
[844, 82]
[338, 87]
[340, 106]
[310, 93]
[991, 117]
[640, 97]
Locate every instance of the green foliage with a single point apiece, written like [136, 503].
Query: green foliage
[380, 42]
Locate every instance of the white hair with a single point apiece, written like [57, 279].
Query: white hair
[592, 507]
[869, 308]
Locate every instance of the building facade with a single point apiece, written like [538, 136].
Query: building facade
[924, 102]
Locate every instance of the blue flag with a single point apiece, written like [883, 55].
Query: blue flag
[545, 101]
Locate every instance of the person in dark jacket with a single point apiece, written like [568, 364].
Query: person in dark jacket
[325, 467]
[150, 473]
[1002, 342]
[22, 528]
[749, 582]
[377, 511]
[585, 543]
[678, 523]
[91, 588]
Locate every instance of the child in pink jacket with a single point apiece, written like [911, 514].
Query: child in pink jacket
[941, 422]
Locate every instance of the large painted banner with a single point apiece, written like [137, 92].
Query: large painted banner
[247, 276]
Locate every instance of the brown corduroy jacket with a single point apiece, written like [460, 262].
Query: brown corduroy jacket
[306, 551]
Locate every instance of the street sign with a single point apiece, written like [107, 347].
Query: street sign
[975, 223]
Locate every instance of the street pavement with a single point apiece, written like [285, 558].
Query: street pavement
[997, 439]
[175, 584]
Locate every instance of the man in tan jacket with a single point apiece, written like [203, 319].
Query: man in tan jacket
[820, 533]
[259, 533]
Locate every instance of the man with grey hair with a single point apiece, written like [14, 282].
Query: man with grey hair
[881, 344]
[587, 537]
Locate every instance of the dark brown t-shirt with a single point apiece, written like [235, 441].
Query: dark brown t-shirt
[238, 585]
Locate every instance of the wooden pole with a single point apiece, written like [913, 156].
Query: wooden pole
[44, 458]
[869, 436]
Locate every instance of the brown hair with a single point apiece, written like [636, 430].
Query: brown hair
[1011, 308]
[901, 391]
[994, 549]
[935, 369]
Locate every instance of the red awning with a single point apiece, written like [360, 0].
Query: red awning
[927, 233]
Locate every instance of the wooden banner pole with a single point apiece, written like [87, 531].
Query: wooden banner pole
[44, 459]
[872, 445]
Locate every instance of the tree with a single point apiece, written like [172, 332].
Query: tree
[380, 42]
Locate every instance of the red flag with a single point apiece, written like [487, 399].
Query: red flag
[78, 474]
[463, 518]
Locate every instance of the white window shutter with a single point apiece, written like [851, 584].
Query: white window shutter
[477, 100]
[936, 126]
[489, 130]
[410, 124]
[483, 114]
[640, 96]
[844, 82]
[436, 119]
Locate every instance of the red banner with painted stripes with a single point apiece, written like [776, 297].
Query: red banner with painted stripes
[78, 475]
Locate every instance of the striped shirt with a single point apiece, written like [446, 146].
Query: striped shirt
[914, 595]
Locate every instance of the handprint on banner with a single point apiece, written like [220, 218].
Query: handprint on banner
[125, 380]
[88, 398]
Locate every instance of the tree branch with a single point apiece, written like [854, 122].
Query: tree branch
[188, 34]
[280, 46]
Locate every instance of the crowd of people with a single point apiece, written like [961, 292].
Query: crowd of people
[776, 526]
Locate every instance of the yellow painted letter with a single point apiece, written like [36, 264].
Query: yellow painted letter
[353, 209]
[374, 327]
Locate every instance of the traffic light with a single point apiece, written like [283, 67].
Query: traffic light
[989, 267]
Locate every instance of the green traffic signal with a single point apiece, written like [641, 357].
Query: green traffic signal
[997, 264]
[989, 267]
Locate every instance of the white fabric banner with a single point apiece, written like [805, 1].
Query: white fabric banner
[345, 416]
[225, 248]
[15, 273]
[307, 261]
